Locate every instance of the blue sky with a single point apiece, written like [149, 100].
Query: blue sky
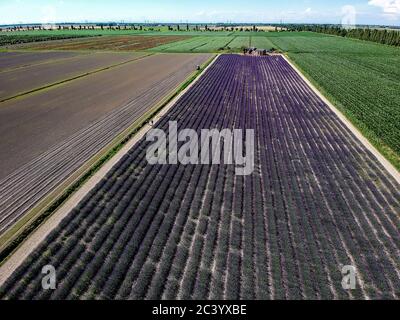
[308, 11]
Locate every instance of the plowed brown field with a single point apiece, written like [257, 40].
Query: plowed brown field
[114, 43]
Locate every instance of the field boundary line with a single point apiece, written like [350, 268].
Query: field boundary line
[357, 133]
[29, 244]
[83, 75]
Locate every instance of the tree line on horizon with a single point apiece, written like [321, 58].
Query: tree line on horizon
[383, 36]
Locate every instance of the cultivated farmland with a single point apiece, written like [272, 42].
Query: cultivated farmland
[261, 43]
[48, 135]
[231, 42]
[316, 201]
[239, 42]
[361, 78]
[21, 80]
[14, 60]
[6, 40]
[201, 44]
[113, 43]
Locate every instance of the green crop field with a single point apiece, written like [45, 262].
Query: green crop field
[229, 42]
[239, 42]
[261, 42]
[216, 44]
[197, 44]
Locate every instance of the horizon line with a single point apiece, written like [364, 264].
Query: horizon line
[184, 23]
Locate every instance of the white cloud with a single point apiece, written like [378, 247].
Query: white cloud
[349, 15]
[391, 8]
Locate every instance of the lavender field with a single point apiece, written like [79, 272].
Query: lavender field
[316, 201]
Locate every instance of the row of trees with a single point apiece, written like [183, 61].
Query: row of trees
[383, 36]
[77, 27]
[113, 26]
[187, 27]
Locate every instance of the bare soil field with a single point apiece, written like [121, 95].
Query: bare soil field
[114, 43]
[48, 135]
[17, 81]
[12, 60]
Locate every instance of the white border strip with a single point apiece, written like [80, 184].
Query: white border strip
[383, 161]
[43, 231]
